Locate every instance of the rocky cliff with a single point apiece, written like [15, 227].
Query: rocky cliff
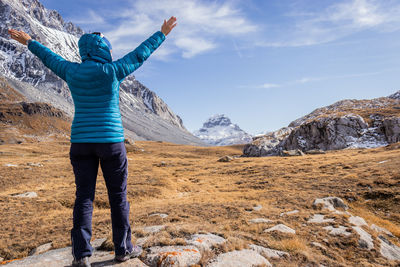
[345, 124]
[145, 115]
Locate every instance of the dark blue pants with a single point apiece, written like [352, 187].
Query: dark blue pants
[85, 158]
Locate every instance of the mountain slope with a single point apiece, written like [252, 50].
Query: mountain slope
[218, 130]
[145, 116]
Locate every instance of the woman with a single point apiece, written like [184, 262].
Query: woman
[97, 135]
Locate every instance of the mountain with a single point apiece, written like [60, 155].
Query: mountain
[145, 116]
[344, 124]
[218, 130]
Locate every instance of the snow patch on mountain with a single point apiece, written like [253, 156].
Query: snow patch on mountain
[218, 130]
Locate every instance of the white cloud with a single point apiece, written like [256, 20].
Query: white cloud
[201, 24]
[337, 21]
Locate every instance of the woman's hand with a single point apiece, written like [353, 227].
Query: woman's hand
[168, 25]
[20, 36]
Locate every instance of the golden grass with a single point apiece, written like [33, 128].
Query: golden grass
[202, 195]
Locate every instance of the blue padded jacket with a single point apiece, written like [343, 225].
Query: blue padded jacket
[94, 84]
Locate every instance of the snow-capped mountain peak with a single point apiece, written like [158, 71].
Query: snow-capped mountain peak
[219, 130]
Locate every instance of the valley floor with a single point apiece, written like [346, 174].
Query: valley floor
[201, 195]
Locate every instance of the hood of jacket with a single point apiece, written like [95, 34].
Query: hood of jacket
[92, 46]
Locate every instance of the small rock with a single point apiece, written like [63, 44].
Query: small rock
[330, 203]
[381, 230]
[319, 218]
[341, 230]
[260, 220]
[365, 240]
[281, 228]
[35, 164]
[205, 241]
[26, 194]
[315, 152]
[10, 165]
[168, 256]
[289, 212]
[242, 258]
[258, 207]
[162, 215]
[225, 159]
[269, 253]
[291, 153]
[389, 250]
[41, 249]
[153, 228]
[357, 221]
[162, 164]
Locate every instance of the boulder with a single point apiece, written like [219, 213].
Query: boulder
[326, 133]
[291, 153]
[319, 218]
[173, 256]
[225, 159]
[268, 144]
[269, 253]
[281, 228]
[381, 230]
[205, 241]
[392, 129]
[357, 221]
[330, 203]
[242, 258]
[341, 230]
[153, 228]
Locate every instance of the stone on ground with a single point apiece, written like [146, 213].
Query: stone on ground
[173, 256]
[365, 240]
[242, 258]
[162, 215]
[330, 203]
[281, 228]
[389, 250]
[269, 253]
[41, 249]
[26, 194]
[341, 230]
[319, 218]
[225, 159]
[289, 212]
[357, 221]
[205, 241]
[258, 207]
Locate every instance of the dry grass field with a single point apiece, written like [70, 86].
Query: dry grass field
[202, 195]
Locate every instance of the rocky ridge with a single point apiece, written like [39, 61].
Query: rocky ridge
[345, 124]
[218, 130]
[145, 115]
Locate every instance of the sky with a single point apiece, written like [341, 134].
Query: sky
[262, 63]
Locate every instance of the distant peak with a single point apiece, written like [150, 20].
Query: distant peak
[395, 95]
[217, 119]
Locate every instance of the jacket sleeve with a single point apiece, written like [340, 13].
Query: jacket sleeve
[133, 60]
[54, 62]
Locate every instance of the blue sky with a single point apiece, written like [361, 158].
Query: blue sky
[263, 63]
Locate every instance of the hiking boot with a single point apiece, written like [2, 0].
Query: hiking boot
[84, 262]
[136, 251]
